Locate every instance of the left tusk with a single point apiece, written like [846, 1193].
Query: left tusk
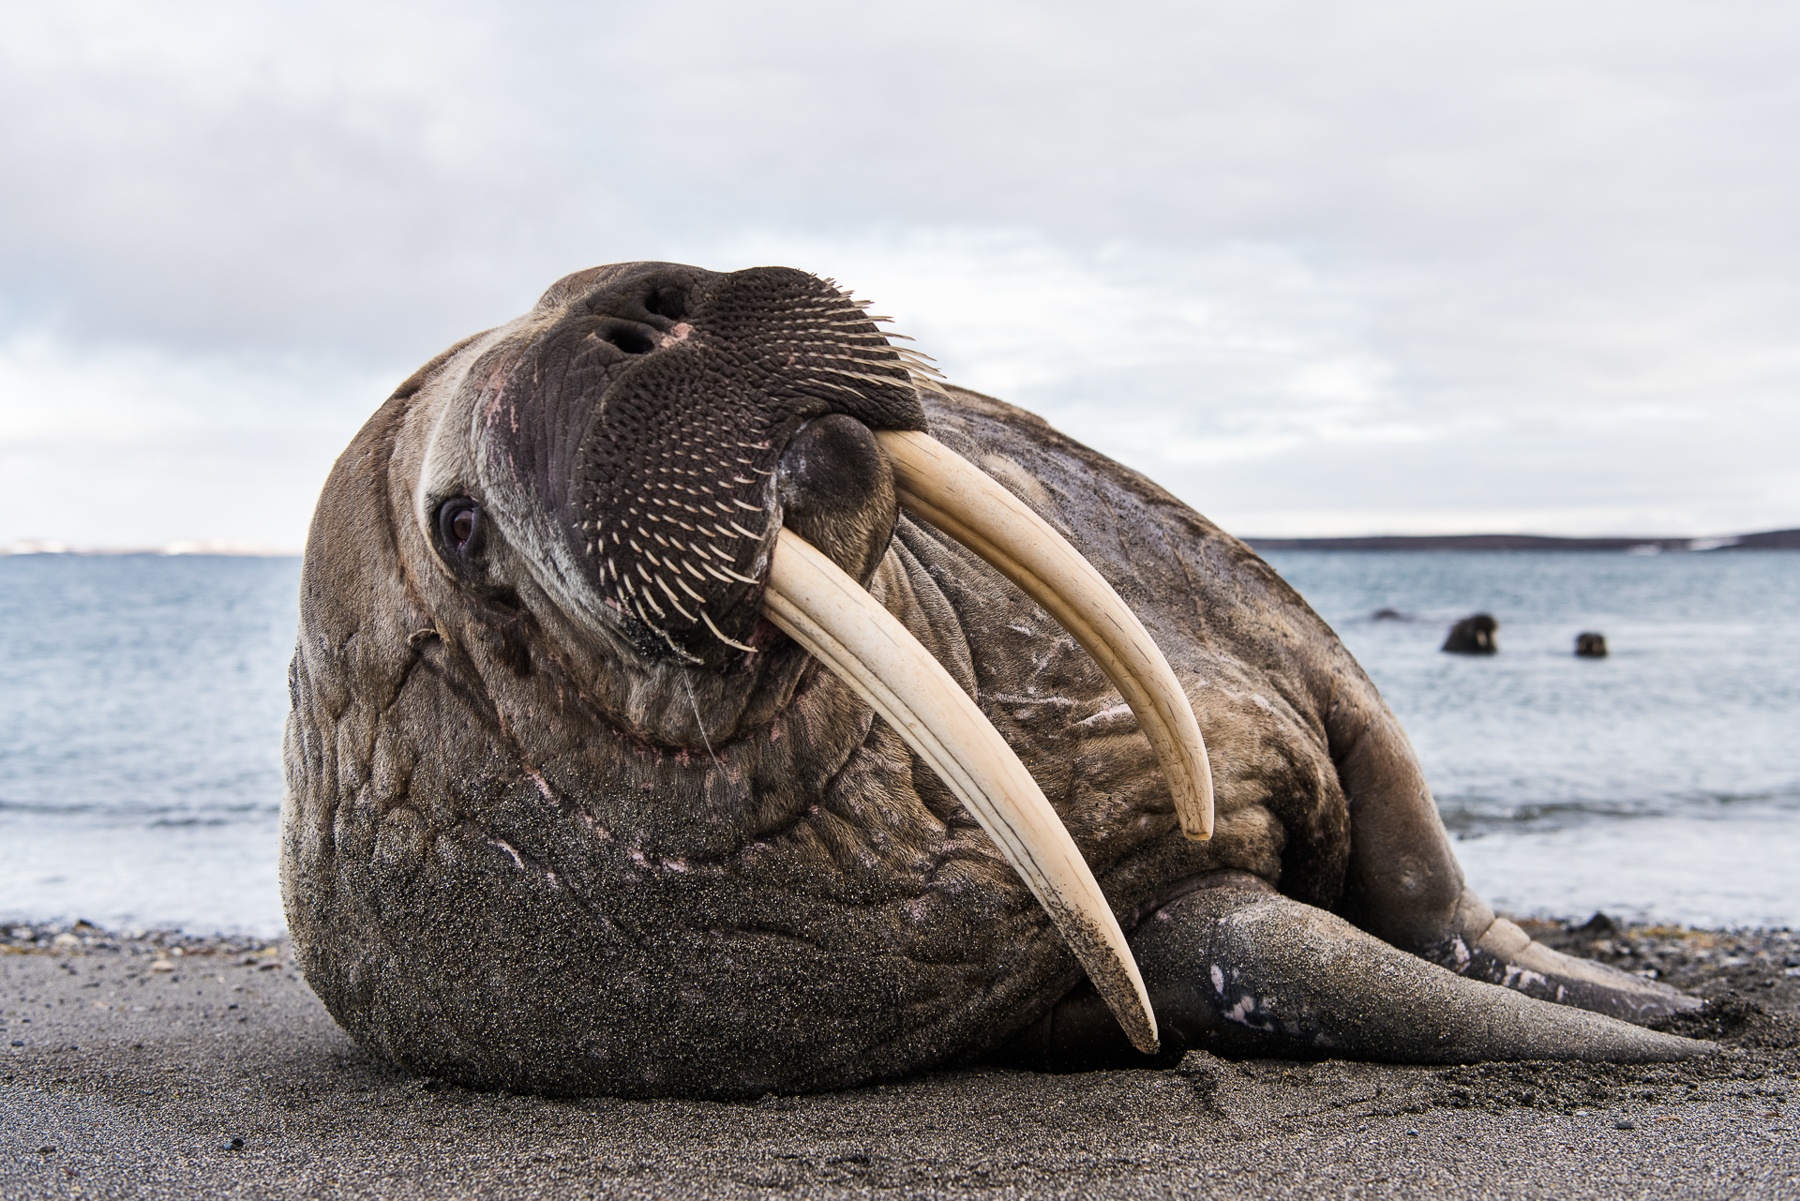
[940, 486]
[811, 599]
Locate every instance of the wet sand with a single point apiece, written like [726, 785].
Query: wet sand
[171, 1067]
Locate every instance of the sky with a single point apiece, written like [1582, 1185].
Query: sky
[1317, 268]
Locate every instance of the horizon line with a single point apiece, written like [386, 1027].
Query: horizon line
[1779, 539]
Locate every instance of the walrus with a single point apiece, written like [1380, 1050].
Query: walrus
[694, 696]
[1473, 635]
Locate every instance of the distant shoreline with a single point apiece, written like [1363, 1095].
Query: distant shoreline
[1767, 540]
[169, 550]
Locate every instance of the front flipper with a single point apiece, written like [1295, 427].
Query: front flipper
[1407, 888]
[1504, 954]
[1240, 970]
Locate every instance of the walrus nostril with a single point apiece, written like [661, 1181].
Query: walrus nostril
[665, 301]
[628, 338]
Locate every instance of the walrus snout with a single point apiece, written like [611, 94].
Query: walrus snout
[662, 402]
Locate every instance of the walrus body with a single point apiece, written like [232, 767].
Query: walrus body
[528, 847]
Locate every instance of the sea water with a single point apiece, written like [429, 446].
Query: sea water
[1661, 781]
[141, 706]
[142, 698]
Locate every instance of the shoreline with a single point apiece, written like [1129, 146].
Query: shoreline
[1649, 544]
[170, 1065]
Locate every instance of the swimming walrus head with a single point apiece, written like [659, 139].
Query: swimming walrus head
[680, 679]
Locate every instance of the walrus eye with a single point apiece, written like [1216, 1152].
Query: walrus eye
[459, 526]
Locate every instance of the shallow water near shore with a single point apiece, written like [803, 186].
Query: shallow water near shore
[142, 697]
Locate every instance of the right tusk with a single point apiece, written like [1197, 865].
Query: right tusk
[811, 599]
[940, 486]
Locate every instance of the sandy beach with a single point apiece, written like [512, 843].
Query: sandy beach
[165, 1066]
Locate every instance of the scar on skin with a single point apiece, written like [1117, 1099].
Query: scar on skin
[501, 844]
[678, 334]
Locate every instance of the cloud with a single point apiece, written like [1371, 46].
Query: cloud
[115, 446]
[1383, 267]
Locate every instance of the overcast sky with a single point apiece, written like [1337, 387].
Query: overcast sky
[1319, 268]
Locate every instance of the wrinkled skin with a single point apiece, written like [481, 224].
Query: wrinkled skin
[529, 845]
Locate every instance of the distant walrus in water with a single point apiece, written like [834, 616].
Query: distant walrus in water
[693, 698]
[1473, 636]
[1590, 644]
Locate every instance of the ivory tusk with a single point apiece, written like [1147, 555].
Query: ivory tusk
[811, 599]
[940, 486]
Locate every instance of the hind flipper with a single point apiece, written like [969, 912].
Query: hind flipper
[1239, 970]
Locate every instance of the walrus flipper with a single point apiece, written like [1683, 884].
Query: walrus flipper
[1241, 971]
[1406, 887]
[1506, 955]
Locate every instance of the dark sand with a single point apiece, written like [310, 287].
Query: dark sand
[165, 1067]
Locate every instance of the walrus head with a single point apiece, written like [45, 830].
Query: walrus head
[660, 471]
[634, 444]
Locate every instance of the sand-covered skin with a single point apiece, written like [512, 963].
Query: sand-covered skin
[173, 1067]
